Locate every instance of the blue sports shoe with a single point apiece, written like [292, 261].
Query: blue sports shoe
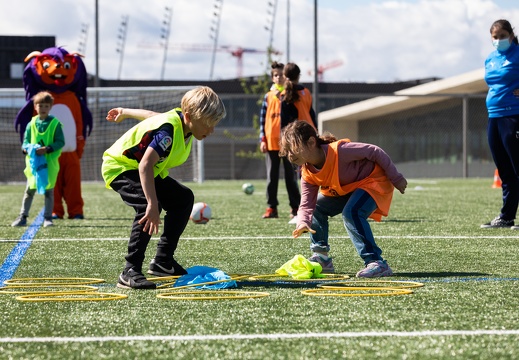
[378, 268]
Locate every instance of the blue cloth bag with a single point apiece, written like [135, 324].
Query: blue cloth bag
[38, 165]
[202, 274]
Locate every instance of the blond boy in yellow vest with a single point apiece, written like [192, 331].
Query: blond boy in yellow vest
[136, 166]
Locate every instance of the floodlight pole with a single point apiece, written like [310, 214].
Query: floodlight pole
[270, 28]
[215, 29]
[315, 90]
[288, 31]
[121, 41]
[166, 30]
[96, 78]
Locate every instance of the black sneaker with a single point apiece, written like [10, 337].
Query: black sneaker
[132, 279]
[166, 269]
[498, 223]
[20, 221]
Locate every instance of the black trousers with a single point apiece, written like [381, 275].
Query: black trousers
[273, 161]
[174, 198]
[503, 139]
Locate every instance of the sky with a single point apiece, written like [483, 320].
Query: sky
[358, 41]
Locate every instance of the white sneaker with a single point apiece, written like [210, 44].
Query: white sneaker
[293, 220]
[47, 223]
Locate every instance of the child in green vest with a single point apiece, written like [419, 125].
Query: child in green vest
[136, 166]
[42, 143]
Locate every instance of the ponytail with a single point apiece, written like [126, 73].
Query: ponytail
[292, 73]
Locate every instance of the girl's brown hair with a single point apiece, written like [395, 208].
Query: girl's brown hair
[505, 25]
[295, 136]
[292, 73]
[276, 66]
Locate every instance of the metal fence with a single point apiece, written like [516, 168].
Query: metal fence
[446, 139]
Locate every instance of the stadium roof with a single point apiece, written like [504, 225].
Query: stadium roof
[468, 83]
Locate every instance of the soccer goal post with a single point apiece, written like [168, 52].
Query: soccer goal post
[104, 133]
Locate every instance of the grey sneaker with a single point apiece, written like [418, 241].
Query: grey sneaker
[377, 268]
[498, 223]
[21, 220]
[327, 265]
[47, 223]
[133, 279]
[163, 269]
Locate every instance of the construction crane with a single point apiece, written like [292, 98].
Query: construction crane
[322, 68]
[236, 51]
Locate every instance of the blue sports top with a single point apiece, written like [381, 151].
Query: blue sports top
[502, 78]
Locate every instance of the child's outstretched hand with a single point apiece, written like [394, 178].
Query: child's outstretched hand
[301, 229]
[115, 115]
[401, 185]
[151, 220]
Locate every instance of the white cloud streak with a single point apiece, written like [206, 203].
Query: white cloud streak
[377, 40]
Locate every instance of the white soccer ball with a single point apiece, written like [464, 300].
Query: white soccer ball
[201, 213]
[248, 188]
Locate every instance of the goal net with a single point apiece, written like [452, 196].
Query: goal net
[104, 133]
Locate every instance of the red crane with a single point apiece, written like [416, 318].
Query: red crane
[322, 68]
[236, 51]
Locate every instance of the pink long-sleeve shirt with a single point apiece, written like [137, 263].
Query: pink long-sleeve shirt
[356, 162]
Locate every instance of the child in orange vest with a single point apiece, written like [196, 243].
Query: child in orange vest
[355, 179]
[270, 131]
[296, 100]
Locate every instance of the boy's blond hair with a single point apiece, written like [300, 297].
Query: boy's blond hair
[43, 97]
[204, 105]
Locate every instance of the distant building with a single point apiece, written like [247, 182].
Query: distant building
[13, 50]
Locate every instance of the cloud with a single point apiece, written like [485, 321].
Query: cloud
[377, 40]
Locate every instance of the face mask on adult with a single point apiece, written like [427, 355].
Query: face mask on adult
[501, 45]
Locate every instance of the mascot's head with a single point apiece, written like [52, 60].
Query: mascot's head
[55, 69]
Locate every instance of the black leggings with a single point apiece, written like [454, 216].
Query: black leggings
[176, 199]
[503, 138]
[291, 180]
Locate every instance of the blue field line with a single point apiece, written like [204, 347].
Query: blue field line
[16, 255]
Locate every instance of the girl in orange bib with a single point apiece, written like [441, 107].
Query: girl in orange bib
[355, 179]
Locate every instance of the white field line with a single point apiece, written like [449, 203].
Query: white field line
[282, 336]
[267, 237]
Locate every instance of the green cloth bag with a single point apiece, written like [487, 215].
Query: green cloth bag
[300, 267]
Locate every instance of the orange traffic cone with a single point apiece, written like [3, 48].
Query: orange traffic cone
[497, 180]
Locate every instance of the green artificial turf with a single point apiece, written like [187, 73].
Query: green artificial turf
[432, 235]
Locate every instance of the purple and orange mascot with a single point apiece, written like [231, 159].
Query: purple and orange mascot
[64, 75]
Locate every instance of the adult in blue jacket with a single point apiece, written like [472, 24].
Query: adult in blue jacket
[502, 78]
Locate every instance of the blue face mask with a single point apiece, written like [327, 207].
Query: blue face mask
[501, 45]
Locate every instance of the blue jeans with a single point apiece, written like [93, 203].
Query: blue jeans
[355, 208]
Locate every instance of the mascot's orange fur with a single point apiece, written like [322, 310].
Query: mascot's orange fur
[64, 75]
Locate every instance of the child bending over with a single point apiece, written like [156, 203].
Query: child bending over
[136, 166]
[355, 179]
